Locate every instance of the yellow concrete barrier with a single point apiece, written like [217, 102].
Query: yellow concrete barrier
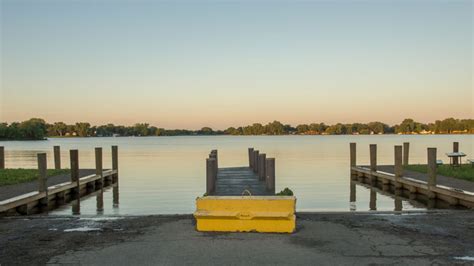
[246, 214]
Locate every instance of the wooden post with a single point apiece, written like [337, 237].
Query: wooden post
[398, 164]
[2, 157]
[270, 174]
[455, 149]
[262, 166]
[250, 157]
[210, 175]
[406, 152]
[431, 166]
[43, 175]
[115, 163]
[255, 161]
[373, 157]
[353, 154]
[57, 157]
[74, 154]
[373, 200]
[98, 165]
[214, 155]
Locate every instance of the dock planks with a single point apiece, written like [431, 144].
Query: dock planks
[233, 181]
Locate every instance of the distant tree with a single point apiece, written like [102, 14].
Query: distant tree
[302, 129]
[82, 129]
[33, 129]
[206, 131]
[141, 129]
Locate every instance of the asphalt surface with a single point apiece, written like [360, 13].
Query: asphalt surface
[426, 238]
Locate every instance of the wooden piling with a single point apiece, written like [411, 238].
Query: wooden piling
[373, 200]
[57, 157]
[250, 157]
[270, 174]
[406, 152]
[210, 175]
[398, 150]
[2, 157]
[115, 163]
[353, 154]
[262, 166]
[431, 166]
[99, 165]
[43, 175]
[373, 157]
[74, 158]
[455, 149]
[255, 161]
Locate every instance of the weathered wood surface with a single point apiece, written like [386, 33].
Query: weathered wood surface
[233, 181]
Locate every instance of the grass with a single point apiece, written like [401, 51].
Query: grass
[466, 171]
[17, 176]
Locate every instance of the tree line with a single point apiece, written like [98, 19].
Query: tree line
[37, 129]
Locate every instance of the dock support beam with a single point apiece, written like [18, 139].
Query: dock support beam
[57, 157]
[353, 152]
[373, 157]
[431, 166]
[270, 174]
[2, 157]
[43, 177]
[74, 154]
[406, 152]
[261, 166]
[398, 165]
[210, 175]
[455, 149]
[99, 166]
[115, 163]
[250, 158]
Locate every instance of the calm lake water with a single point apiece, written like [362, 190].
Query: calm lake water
[163, 175]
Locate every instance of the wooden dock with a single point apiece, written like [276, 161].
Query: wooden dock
[257, 179]
[398, 181]
[48, 198]
[235, 181]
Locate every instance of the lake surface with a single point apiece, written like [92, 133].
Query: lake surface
[164, 175]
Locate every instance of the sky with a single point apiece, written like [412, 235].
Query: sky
[189, 64]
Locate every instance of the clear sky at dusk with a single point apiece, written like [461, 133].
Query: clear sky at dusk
[219, 64]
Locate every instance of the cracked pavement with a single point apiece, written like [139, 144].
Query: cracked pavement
[321, 238]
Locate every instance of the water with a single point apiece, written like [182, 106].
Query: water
[163, 175]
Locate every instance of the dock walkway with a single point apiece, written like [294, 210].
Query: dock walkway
[233, 181]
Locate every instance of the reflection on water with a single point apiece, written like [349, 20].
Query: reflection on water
[398, 196]
[166, 174]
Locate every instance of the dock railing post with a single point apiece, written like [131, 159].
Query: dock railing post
[455, 149]
[115, 163]
[262, 166]
[406, 153]
[373, 157]
[250, 157]
[270, 174]
[43, 178]
[210, 175]
[2, 157]
[431, 167]
[353, 154]
[74, 154]
[99, 166]
[57, 157]
[42, 169]
[255, 161]
[398, 167]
